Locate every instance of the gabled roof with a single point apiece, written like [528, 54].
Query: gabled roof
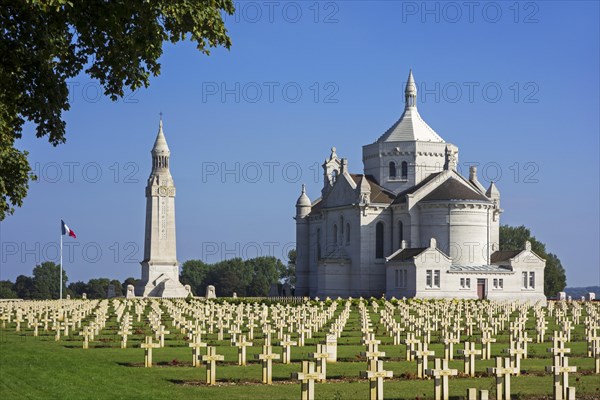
[316, 207]
[378, 193]
[401, 197]
[452, 189]
[407, 254]
[503, 255]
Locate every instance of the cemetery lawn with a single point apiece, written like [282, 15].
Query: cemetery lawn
[40, 368]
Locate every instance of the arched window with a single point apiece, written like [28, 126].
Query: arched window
[341, 239]
[379, 240]
[400, 233]
[347, 232]
[318, 244]
[392, 169]
[404, 170]
[335, 234]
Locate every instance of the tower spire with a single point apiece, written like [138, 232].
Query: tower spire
[160, 150]
[410, 92]
[160, 144]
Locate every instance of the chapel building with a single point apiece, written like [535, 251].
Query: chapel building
[409, 226]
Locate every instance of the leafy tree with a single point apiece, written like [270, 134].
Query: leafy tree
[24, 286]
[46, 42]
[288, 275]
[77, 289]
[514, 238]
[229, 276]
[252, 277]
[128, 281]
[194, 273]
[98, 288]
[7, 290]
[118, 287]
[555, 279]
[46, 281]
[265, 272]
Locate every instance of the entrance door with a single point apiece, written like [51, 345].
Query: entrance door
[481, 288]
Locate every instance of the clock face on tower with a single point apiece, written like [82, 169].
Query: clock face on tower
[163, 191]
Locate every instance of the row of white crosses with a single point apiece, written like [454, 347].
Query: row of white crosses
[419, 321]
[375, 372]
[280, 317]
[560, 367]
[266, 357]
[94, 327]
[125, 329]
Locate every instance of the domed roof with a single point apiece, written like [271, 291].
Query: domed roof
[303, 200]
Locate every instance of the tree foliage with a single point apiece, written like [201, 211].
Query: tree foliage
[193, 273]
[46, 278]
[289, 273]
[265, 271]
[97, 288]
[24, 286]
[252, 277]
[77, 289]
[128, 281]
[514, 238]
[45, 42]
[118, 287]
[7, 290]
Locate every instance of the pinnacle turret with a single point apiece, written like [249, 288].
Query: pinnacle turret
[160, 150]
[160, 144]
[303, 205]
[410, 92]
[303, 200]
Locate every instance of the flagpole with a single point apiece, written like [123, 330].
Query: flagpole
[60, 284]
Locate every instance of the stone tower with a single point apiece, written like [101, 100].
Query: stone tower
[303, 207]
[160, 268]
[409, 151]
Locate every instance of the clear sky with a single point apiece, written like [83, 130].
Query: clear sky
[514, 85]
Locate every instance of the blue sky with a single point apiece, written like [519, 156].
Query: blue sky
[514, 86]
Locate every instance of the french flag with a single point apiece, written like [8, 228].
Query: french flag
[66, 230]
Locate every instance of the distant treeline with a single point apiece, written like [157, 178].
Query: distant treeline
[252, 277]
[44, 284]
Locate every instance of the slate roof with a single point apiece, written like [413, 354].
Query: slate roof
[480, 268]
[503, 255]
[378, 193]
[410, 127]
[452, 189]
[408, 254]
[316, 207]
[401, 197]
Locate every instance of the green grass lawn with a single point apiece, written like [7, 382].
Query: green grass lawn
[40, 368]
